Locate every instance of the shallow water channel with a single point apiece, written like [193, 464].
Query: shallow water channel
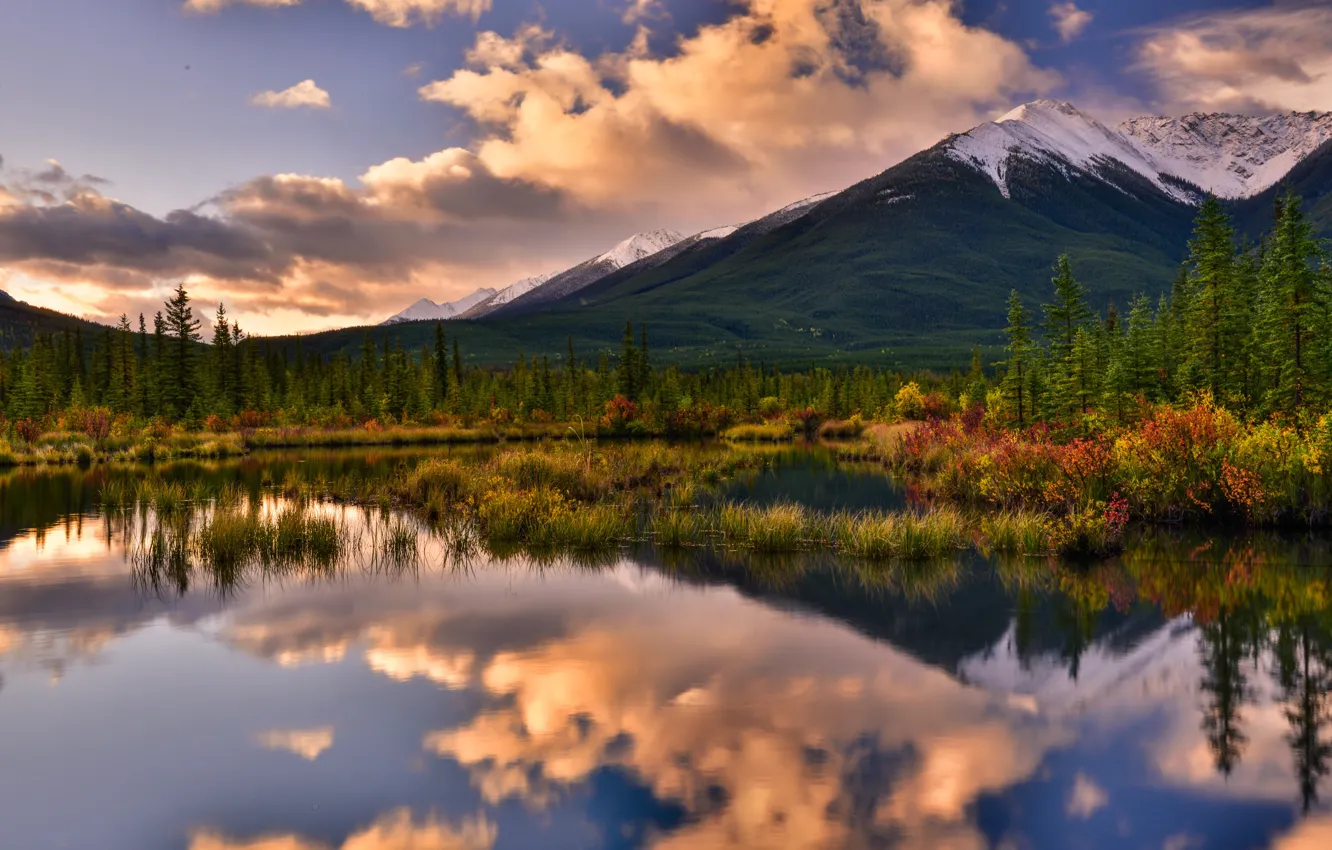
[1178, 697]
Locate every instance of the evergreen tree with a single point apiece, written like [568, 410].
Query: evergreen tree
[1140, 357]
[179, 386]
[223, 364]
[1293, 321]
[1226, 688]
[1213, 313]
[1067, 312]
[440, 385]
[1065, 317]
[1017, 377]
[626, 374]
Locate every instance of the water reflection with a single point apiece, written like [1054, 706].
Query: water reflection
[1178, 697]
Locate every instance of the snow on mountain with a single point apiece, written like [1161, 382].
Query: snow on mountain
[804, 203]
[427, 310]
[519, 289]
[1232, 156]
[717, 233]
[638, 246]
[1162, 665]
[1057, 133]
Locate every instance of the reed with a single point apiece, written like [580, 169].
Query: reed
[779, 528]
[1017, 533]
[774, 432]
[400, 544]
[904, 536]
[677, 529]
[165, 497]
[115, 493]
[596, 527]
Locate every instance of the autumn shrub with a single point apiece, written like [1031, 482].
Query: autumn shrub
[29, 430]
[909, 403]
[95, 423]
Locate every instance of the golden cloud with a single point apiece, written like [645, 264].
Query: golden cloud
[1277, 58]
[309, 744]
[1086, 798]
[756, 723]
[1069, 21]
[305, 93]
[403, 13]
[395, 831]
[573, 153]
[786, 96]
[394, 13]
[1312, 834]
[206, 7]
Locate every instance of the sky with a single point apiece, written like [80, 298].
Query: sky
[324, 163]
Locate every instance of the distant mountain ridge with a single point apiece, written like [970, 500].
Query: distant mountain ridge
[913, 265]
[427, 310]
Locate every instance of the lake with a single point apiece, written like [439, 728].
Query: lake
[1176, 697]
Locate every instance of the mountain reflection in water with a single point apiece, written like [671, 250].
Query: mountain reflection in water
[1175, 698]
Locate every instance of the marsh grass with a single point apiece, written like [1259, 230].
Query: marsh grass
[232, 540]
[116, 493]
[1017, 533]
[779, 528]
[905, 536]
[165, 497]
[401, 435]
[777, 432]
[400, 545]
[677, 529]
[591, 528]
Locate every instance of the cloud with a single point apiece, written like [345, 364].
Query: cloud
[393, 13]
[571, 154]
[1069, 21]
[309, 744]
[304, 93]
[289, 251]
[815, 94]
[403, 13]
[206, 7]
[395, 831]
[1086, 798]
[1267, 59]
[1312, 834]
[782, 719]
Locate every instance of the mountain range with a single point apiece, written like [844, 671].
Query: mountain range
[910, 267]
[913, 265]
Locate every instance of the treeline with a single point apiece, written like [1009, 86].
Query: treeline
[1248, 323]
[162, 370]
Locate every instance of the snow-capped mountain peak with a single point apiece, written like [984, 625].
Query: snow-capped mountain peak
[1058, 133]
[520, 288]
[426, 310]
[638, 246]
[1232, 156]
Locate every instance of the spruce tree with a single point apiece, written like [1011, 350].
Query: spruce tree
[1067, 312]
[1065, 316]
[1213, 311]
[179, 386]
[1140, 357]
[222, 363]
[626, 374]
[440, 386]
[1293, 322]
[1016, 377]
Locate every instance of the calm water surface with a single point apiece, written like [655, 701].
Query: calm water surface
[1178, 698]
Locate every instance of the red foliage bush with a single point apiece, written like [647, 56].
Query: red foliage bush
[28, 430]
[96, 423]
